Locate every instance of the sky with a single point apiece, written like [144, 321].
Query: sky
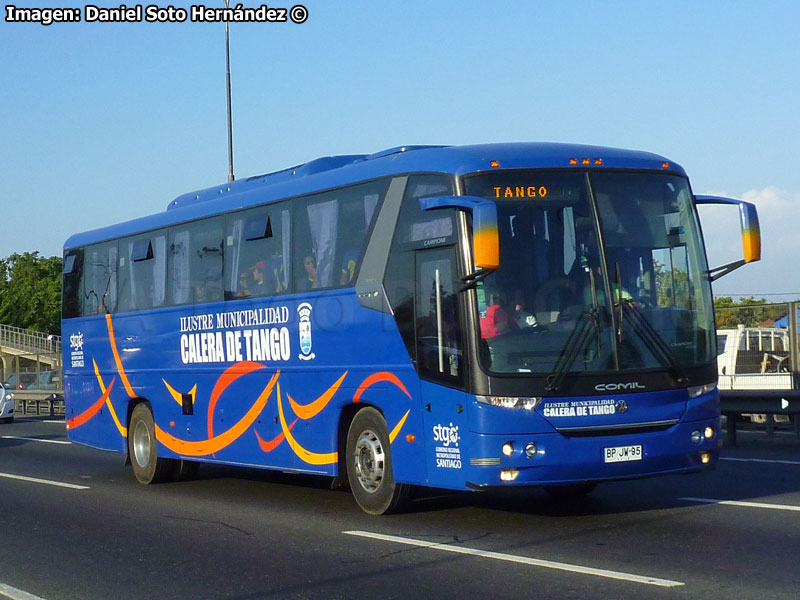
[105, 122]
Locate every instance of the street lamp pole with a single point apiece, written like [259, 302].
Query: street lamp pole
[228, 81]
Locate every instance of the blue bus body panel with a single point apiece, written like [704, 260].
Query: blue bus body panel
[257, 397]
[277, 406]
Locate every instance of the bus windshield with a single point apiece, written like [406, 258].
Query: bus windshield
[599, 271]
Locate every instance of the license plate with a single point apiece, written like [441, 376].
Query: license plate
[623, 453]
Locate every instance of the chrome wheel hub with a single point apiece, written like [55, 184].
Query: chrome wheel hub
[141, 444]
[370, 461]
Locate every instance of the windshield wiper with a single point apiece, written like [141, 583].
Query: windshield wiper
[474, 278]
[653, 339]
[577, 340]
[575, 343]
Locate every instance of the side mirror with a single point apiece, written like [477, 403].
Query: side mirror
[485, 240]
[751, 233]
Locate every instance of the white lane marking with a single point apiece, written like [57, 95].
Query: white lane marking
[59, 421]
[30, 439]
[744, 504]
[71, 486]
[763, 460]
[15, 594]
[519, 559]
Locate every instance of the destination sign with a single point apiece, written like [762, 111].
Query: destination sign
[520, 191]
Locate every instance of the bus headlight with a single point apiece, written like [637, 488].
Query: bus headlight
[708, 433]
[510, 401]
[508, 474]
[696, 436]
[698, 390]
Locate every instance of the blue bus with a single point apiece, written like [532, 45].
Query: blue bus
[464, 318]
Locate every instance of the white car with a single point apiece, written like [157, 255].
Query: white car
[6, 404]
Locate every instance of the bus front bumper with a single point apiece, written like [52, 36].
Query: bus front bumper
[553, 458]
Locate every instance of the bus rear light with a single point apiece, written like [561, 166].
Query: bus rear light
[573, 161]
[509, 474]
[586, 161]
[598, 161]
[494, 164]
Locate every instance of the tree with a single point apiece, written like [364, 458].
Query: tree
[749, 312]
[30, 292]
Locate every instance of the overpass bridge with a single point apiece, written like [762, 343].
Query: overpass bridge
[24, 350]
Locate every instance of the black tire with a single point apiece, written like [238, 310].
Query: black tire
[571, 490]
[369, 465]
[143, 448]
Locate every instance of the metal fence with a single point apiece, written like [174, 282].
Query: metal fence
[29, 341]
[30, 360]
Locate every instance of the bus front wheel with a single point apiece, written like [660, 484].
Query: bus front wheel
[369, 465]
[143, 450]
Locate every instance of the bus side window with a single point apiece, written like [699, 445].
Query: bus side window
[100, 279]
[330, 234]
[412, 225]
[142, 272]
[258, 252]
[439, 348]
[72, 284]
[195, 262]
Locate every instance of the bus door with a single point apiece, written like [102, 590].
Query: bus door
[440, 364]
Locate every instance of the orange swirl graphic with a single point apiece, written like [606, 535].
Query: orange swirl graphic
[306, 456]
[223, 440]
[117, 359]
[123, 431]
[312, 409]
[230, 375]
[377, 377]
[82, 418]
[269, 446]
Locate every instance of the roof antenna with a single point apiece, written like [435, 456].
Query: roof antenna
[228, 81]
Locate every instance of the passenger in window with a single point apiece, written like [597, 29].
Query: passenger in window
[259, 288]
[243, 289]
[521, 316]
[348, 269]
[497, 321]
[277, 274]
[310, 265]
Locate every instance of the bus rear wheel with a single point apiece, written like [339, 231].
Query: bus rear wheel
[369, 465]
[148, 467]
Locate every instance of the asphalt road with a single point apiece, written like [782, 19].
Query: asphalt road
[234, 534]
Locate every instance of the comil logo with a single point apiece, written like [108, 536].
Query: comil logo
[615, 387]
[304, 312]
